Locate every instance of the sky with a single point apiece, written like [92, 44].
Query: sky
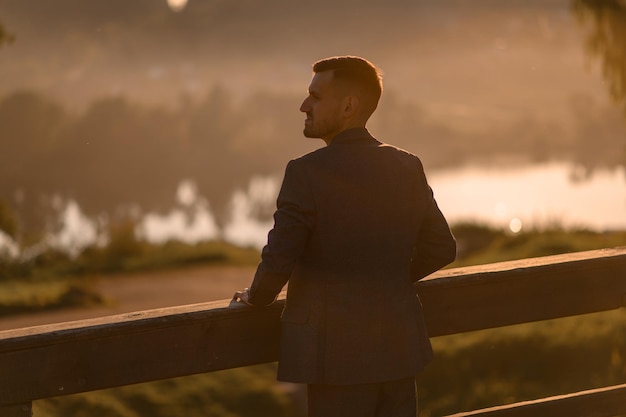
[469, 63]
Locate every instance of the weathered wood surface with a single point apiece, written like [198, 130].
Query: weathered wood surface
[52, 360]
[528, 290]
[81, 356]
[19, 410]
[602, 402]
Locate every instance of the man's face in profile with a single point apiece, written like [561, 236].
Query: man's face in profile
[323, 108]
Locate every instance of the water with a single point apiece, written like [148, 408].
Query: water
[533, 196]
[514, 198]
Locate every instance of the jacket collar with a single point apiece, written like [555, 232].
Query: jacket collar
[359, 134]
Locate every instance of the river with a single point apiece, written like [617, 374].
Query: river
[533, 196]
[516, 198]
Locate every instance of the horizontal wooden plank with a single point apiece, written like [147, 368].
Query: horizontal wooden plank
[66, 358]
[19, 410]
[602, 402]
[488, 296]
[48, 361]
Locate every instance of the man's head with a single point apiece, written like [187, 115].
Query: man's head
[343, 94]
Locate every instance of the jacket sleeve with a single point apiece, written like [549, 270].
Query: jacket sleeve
[293, 221]
[435, 246]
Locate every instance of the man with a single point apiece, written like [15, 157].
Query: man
[356, 226]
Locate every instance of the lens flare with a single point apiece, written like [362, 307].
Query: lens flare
[177, 5]
[515, 225]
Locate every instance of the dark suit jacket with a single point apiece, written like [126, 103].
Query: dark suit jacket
[356, 226]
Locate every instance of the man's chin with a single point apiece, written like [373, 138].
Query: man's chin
[310, 135]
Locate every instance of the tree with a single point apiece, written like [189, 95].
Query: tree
[606, 40]
[5, 37]
[8, 224]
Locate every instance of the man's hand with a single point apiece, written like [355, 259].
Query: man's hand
[243, 296]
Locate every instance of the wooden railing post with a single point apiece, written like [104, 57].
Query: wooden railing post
[17, 410]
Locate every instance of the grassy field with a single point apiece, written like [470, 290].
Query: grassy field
[470, 371]
[54, 280]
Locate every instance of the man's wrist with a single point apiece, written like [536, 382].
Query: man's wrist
[244, 297]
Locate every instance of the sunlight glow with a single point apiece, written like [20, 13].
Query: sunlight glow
[515, 225]
[177, 5]
[8, 247]
[77, 232]
[187, 193]
[191, 227]
[538, 195]
[249, 220]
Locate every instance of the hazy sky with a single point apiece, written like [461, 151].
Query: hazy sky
[470, 62]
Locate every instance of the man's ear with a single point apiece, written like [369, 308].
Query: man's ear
[351, 106]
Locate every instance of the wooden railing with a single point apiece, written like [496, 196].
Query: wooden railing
[67, 358]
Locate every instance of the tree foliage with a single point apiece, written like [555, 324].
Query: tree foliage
[5, 36]
[606, 40]
[8, 224]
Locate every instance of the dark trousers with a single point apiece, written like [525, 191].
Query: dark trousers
[384, 399]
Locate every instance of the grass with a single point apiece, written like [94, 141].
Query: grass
[53, 280]
[524, 362]
[242, 392]
[478, 244]
[26, 296]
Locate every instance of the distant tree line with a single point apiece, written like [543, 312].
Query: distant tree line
[5, 36]
[117, 154]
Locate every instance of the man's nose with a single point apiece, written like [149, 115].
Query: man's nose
[305, 107]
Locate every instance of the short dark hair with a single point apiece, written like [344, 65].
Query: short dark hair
[356, 71]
